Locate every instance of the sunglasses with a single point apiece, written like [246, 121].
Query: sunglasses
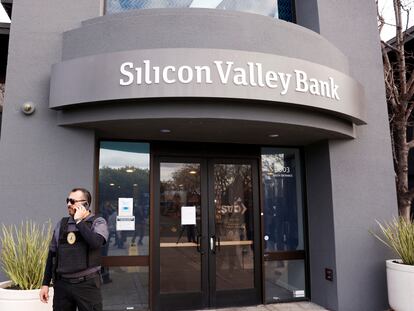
[73, 201]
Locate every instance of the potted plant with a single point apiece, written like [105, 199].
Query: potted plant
[23, 256]
[398, 235]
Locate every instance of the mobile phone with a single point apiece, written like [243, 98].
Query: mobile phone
[86, 205]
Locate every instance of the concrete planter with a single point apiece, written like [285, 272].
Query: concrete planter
[400, 282]
[22, 300]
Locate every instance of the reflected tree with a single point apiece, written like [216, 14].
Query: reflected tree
[187, 177]
[127, 181]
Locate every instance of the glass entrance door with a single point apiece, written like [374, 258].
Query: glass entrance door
[181, 223]
[208, 225]
[233, 207]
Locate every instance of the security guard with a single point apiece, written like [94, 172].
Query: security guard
[74, 258]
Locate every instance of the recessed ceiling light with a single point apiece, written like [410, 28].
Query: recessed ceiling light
[273, 135]
[165, 131]
[193, 172]
[135, 185]
[112, 184]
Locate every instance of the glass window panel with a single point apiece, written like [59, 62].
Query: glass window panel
[284, 280]
[283, 212]
[124, 173]
[126, 289]
[281, 9]
[233, 199]
[284, 10]
[263, 7]
[180, 190]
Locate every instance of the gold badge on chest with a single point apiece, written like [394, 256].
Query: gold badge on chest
[71, 238]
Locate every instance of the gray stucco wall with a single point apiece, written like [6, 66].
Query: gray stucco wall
[361, 169]
[202, 29]
[307, 14]
[321, 224]
[39, 161]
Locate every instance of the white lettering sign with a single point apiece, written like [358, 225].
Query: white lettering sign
[188, 215]
[251, 74]
[125, 223]
[125, 206]
[238, 207]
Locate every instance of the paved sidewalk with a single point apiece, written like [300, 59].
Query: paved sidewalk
[292, 306]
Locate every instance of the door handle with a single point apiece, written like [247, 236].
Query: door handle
[213, 244]
[199, 239]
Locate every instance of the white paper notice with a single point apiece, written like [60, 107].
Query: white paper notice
[125, 206]
[125, 223]
[188, 215]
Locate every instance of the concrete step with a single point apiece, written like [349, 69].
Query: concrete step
[292, 306]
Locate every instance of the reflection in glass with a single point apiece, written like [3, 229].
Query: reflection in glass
[180, 261]
[284, 280]
[281, 9]
[282, 200]
[124, 173]
[127, 290]
[233, 198]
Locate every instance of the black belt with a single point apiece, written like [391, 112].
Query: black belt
[79, 279]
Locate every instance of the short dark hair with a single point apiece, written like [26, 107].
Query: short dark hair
[85, 192]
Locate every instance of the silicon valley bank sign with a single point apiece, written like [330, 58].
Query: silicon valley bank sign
[252, 74]
[205, 73]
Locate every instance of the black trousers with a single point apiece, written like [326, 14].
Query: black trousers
[86, 296]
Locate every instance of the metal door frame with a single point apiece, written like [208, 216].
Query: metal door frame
[219, 299]
[209, 296]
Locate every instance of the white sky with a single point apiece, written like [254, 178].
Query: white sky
[387, 11]
[118, 159]
[4, 18]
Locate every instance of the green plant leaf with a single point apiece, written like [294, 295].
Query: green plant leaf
[24, 252]
[398, 235]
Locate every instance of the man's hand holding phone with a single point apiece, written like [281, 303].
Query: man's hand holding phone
[82, 211]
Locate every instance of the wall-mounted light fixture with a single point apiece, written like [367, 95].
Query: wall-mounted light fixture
[28, 108]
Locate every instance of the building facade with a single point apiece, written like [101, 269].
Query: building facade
[239, 150]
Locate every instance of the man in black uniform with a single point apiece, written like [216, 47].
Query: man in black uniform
[75, 257]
